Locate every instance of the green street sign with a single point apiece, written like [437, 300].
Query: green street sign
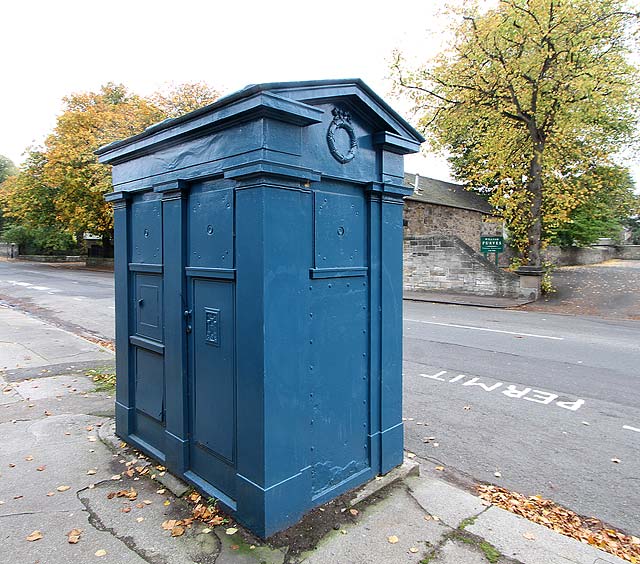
[491, 244]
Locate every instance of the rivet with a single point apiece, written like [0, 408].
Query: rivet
[329, 285]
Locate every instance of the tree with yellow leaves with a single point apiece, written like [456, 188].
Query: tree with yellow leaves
[528, 98]
[63, 185]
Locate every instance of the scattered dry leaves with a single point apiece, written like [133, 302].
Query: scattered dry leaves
[545, 512]
[36, 535]
[130, 494]
[63, 488]
[101, 552]
[73, 536]
[393, 539]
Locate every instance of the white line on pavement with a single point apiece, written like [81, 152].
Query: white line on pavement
[629, 428]
[486, 329]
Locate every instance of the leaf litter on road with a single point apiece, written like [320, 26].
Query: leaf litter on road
[545, 512]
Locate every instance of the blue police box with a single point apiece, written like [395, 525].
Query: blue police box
[258, 269]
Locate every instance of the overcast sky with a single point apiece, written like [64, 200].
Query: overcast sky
[53, 48]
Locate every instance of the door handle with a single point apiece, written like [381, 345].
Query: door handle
[187, 317]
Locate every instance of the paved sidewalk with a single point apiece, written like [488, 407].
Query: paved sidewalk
[28, 345]
[464, 299]
[60, 468]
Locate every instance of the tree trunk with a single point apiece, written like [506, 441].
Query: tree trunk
[534, 186]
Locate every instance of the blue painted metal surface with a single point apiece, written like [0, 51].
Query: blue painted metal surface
[259, 294]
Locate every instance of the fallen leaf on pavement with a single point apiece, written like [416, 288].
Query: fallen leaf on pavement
[48, 413]
[147, 501]
[497, 474]
[28, 458]
[36, 535]
[167, 503]
[101, 552]
[393, 539]
[440, 468]
[139, 519]
[529, 536]
[41, 468]
[12, 465]
[92, 439]
[615, 460]
[231, 531]
[235, 546]
[177, 531]
[115, 477]
[413, 550]
[353, 512]
[169, 524]
[411, 455]
[91, 472]
[50, 494]
[63, 488]
[73, 536]
[160, 491]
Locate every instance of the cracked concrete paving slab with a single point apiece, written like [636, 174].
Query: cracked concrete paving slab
[366, 542]
[139, 524]
[54, 386]
[38, 458]
[97, 404]
[461, 553]
[506, 531]
[53, 548]
[233, 550]
[452, 505]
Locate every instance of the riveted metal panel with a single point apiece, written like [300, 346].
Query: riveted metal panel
[339, 416]
[340, 222]
[146, 231]
[210, 237]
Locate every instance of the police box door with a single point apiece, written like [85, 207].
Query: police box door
[210, 324]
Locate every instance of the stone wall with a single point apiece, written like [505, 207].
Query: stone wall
[446, 263]
[422, 219]
[629, 252]
[8, 250]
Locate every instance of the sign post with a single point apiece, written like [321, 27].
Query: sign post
[492, 245]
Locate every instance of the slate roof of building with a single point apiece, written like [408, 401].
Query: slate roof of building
[439, 192]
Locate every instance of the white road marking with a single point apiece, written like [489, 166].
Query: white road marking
[509, 390]
[629, 428]
[486, 329]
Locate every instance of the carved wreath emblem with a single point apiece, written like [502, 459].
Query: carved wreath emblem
[342, 120]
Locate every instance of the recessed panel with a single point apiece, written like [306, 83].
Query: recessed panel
[146, 232]
[149, 383]
[210, 228]
[213, 377]
[148, 306]
[339, 230]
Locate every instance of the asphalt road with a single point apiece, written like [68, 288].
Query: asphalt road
[547, 401]
[78, 300]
